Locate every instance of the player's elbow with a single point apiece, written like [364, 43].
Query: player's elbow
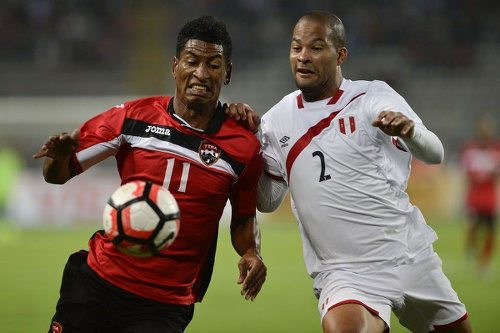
[270, 194]
[426, 147]
[55, 180]
[438, 159]
[55, 177]
[435, 156]
[266, 206]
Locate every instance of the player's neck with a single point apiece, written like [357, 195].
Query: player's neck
[327, 91]
[196, 116]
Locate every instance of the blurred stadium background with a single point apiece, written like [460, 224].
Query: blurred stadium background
[62, 62]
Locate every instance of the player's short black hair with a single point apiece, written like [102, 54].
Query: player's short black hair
[207, 29]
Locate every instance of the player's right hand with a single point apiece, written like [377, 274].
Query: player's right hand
[59, 146]
[395, 124]
[244, 115]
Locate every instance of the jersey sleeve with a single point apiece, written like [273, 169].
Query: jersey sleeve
[244, 191]
[100, 137]
[270, 153]
[381, 97]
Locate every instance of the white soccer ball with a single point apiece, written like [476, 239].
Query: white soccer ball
[141, 218]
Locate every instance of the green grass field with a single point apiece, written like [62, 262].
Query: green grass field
[32, 262]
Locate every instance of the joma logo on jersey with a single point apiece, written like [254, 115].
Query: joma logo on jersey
[347, 125]
[158, 130]
[209, 153]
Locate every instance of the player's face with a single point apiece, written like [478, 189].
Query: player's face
[199, 74]
[315, 61]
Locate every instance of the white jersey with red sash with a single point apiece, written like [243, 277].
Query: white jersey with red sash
[202, 169]
[347, 179]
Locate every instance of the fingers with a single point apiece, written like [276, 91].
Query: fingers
[41, 153]
[236, 111]
[59, 146]
[254, 285]
[46, 147]
[243, 114]
[75, 135]
[252, 275]
[253, 122]
[394, 123]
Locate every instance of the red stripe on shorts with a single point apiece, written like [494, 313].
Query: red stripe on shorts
[456, 322]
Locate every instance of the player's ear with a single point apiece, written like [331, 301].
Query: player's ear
[341, 55]
[174, 66]
[229, 69]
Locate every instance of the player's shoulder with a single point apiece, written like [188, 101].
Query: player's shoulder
[377, 87]
[141, 108]
[237, 141]
[284, 105]
[379, 92]
[146, 101]
[234, 129]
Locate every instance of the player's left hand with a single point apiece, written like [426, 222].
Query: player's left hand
[395, 124]
[244, 115]
[252, 275]
[59, 146]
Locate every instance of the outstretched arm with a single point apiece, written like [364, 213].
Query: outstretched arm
[58, 151]
[245, 236]
[423, 144]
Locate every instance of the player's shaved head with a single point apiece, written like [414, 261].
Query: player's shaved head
[334, 24]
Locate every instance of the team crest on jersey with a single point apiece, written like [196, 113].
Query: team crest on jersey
[347, 125]
[209, 153]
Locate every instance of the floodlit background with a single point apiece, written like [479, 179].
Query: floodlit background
[61, 62]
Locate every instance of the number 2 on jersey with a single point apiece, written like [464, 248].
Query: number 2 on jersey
[322, 175]
[169, 172]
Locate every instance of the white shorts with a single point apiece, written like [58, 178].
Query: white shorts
[419, 293]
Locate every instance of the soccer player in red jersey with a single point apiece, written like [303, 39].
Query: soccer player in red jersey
[480, 162]
[187, 144]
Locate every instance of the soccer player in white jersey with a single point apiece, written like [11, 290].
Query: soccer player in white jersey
[343, 149]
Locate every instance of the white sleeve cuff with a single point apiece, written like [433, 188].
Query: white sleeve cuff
[425, 146]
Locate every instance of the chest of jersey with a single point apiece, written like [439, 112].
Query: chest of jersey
[328, 141]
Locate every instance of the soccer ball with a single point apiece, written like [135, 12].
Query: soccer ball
[141, 218]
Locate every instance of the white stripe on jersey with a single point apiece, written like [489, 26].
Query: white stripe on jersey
[97, 153]
[152, 143]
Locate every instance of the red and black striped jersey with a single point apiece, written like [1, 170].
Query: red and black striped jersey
[202, 169]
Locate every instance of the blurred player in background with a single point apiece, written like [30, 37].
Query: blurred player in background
[480, 162]
[343, 148]
[187, 144]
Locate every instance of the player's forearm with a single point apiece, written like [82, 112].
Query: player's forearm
[245, 236]
[425, 146]
[270, 194]
[57, 171]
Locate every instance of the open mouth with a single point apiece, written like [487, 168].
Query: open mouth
[305, 71]
[199, 88]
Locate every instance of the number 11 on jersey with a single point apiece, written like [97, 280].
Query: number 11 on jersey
[168, 175]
